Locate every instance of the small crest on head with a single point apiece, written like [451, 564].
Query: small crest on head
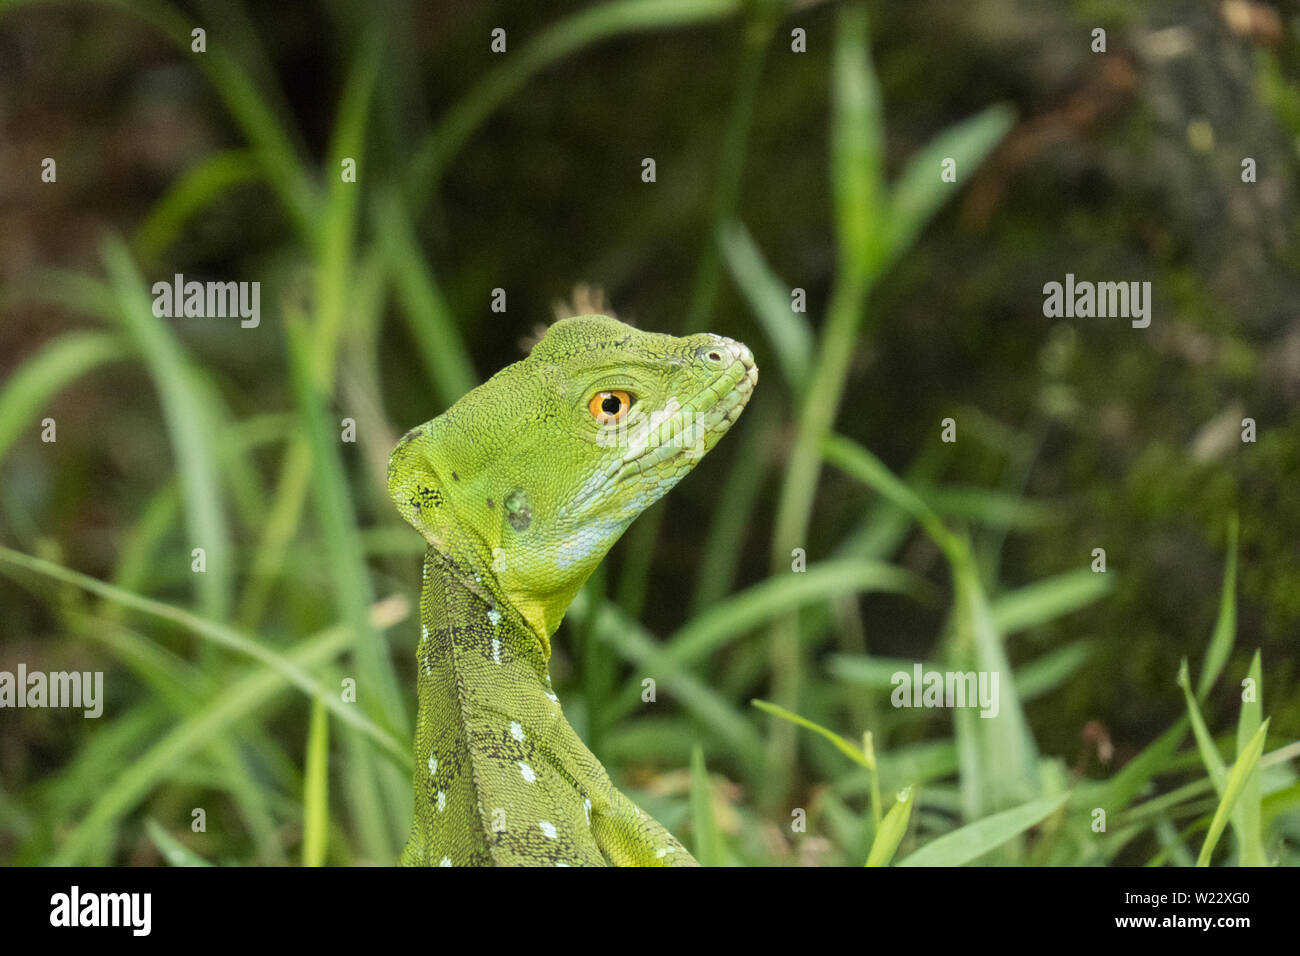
[586, 299]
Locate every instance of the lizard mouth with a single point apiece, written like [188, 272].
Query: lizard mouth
[662, 447]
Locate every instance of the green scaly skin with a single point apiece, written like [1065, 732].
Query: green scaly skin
[520, 492]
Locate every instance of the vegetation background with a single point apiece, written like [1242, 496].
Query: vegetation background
[1122, 691]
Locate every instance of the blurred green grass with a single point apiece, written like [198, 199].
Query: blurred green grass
[251, 710]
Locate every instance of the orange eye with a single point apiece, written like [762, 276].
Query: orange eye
[609, 406]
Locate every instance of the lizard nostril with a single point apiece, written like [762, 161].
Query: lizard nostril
[714, 353]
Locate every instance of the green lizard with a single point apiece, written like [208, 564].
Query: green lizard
[520, 489]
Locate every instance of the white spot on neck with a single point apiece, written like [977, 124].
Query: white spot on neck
[548, 828]
[526, 772]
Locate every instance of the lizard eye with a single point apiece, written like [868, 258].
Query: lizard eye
[609, 406]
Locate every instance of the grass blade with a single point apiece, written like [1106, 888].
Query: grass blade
[857, 462]
[1048, 672]
[1225, 627]
[731, 517]
[1204, 742]
[756, 606]
[1051, 598]
[379, 796]
[708, 838]
[891, 830]
[1236, 783]
[976, 839]
[857, 145]
[786, 330]
[842, 745]
[352, 587]
[233, 83]
[197, 188]
[756, 37]
[173, 850]
[550, 46]
[919, 192]
[998, 755]
[437, 338]
[315, 789]
[1000, 759]
[48, 371]
[1247, 818]
[235, 701]
[632, 642]
[189, 422]
[220, 634]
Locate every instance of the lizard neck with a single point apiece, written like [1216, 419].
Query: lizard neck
[477, 656]
[465, 604]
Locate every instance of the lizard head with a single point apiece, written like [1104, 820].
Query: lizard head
[535, 474]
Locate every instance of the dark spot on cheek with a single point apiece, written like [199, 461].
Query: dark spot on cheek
[490, 503]
[519, 511]
[455, 477]
[425, 495]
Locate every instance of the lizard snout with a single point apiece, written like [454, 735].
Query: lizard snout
[736, 372]
[723, 352]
